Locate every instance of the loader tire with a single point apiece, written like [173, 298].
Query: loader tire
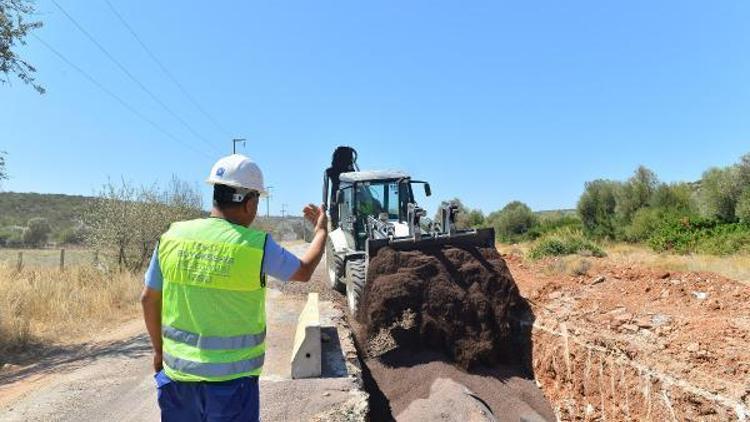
[334, 268]
[355, 283]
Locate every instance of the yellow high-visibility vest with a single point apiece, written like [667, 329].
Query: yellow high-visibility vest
[213, 300]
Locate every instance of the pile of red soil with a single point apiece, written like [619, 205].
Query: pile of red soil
[448, 299]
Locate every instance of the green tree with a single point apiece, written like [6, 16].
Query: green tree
[742, 210]
[675, 196]
[596, 207]
[475, 218]
[635, 193]
[13, 31]
[36, 232]
[513, 221]
[719, 191]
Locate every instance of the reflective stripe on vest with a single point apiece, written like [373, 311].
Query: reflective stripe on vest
[213, 342]
[213, 300]
[213, 370]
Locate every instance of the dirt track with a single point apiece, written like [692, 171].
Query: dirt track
[111, 379]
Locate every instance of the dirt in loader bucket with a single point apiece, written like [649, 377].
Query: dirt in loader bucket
[449, 299]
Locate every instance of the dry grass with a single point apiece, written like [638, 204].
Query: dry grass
[42, 304]
[736, 267]
[46, 257]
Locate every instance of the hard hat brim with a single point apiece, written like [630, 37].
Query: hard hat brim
[212, 181]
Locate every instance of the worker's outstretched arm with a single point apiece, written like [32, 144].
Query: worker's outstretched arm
[151, 303]
[311, 259]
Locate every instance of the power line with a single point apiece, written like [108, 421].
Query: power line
[118, 98]
[132, 77]
[165, 70]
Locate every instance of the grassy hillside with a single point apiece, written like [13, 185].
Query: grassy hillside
[62, 211]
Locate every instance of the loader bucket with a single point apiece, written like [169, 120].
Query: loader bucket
[472, 238]
[447, 293]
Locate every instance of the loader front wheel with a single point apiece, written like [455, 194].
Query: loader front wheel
[334, 267]
[355, 283]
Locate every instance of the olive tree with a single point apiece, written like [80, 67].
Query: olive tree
[719, 191]
[742, 210]
[635, 193]
[596, 207]
[513, 221]
[14, 27]
[126, 221]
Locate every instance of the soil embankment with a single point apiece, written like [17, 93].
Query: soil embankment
[625, 342]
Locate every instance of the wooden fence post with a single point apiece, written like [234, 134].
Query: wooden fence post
[19, 264]
[62, 259]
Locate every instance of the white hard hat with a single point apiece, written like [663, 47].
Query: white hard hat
[237, 171]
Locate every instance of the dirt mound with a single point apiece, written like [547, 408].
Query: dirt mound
[406, 377]
[449, 299]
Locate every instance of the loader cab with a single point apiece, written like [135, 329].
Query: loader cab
[383, 195]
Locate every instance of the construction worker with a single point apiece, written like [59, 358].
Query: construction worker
[204, 300]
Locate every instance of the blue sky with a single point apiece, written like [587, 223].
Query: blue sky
[490, 101]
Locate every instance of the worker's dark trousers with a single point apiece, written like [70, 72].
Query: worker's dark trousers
[235, 400]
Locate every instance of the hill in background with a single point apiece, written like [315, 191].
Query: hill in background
[64, 214]
[62, 211]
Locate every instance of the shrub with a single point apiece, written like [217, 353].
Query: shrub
[647, 221]
[36, 232]
[580, 267]
[548, 223]
[513, 221]
[596, 207]
[565, 242]
[72, 235]
[13, 236]
[700, 234]
[727, 239]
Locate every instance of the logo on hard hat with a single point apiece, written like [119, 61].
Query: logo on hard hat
[220, 171]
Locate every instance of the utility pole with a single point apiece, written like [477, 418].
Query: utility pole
[234, 144]
[268, 201]
[283, 211]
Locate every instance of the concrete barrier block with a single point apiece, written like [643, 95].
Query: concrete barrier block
[307, 352]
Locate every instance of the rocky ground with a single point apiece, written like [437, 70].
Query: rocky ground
[621, 342]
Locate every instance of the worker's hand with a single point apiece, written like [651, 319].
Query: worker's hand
[317, 216]
[158, 365]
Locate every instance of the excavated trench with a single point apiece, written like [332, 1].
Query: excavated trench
[439, 335]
